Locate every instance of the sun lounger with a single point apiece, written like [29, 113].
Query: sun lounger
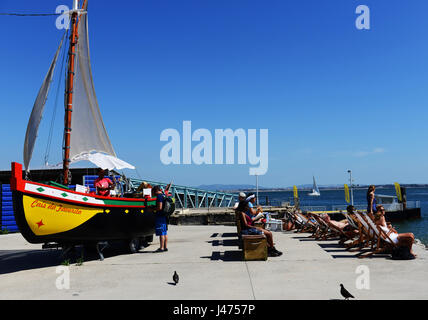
[307, 225]
[381, 234]
[331, 230]
[354, 223]
[297, 221]
[367, 234]
[323, 230]
[380, 241]
[351, 221]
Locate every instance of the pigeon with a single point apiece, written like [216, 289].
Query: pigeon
[175, 277]
[345, 293]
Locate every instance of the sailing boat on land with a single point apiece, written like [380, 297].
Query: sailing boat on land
[315, 191]
[51, 213]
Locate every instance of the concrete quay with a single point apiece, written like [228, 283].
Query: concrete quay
[216, 216]
[210, 266]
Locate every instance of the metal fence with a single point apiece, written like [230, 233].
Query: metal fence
[413, 204]
[313, 208]
[188, 197]
[359, 207]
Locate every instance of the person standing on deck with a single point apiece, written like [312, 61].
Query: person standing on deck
[371, 201]
[161, 225]
[102, 184]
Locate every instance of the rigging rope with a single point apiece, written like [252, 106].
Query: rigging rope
[29, 14]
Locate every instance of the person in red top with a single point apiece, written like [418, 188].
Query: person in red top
[247, 228]
[102, 184]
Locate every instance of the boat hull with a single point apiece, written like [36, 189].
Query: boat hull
[45, 213]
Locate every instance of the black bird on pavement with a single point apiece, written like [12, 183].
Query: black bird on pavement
[345, 293]
[175, 277]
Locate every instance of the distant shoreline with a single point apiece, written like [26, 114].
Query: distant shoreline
[320, 188]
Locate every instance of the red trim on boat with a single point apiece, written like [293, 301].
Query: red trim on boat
[18, 184]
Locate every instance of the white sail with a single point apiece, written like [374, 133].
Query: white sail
[88, 135]
[37, 112]
[315, 190]
[315, 187]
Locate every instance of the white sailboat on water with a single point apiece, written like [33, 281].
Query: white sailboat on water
[315, 191]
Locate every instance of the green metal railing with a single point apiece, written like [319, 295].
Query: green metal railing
[188, 197]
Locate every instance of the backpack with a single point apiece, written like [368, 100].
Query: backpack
[401, 253]
[168, 206]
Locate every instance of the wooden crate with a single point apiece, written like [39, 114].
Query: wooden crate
[238, 224]
[254, 247]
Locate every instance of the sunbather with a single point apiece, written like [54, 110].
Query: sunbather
[338, 224]
[248, 228]
[288, 223]
[400, 239]
[343, 225]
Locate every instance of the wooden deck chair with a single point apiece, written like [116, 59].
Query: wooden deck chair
[297, 221]
[307, 224]
[351, 221]
[238, 224]
[336, 231]
[380, 241]
[323, 231]
[319, 229]
[354, 223]
[384, 243]
[367, 234]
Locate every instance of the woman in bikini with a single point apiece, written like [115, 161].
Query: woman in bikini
[400, 239]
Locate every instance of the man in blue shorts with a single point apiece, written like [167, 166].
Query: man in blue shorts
[161, 225]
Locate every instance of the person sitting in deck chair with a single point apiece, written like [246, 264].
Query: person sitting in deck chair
[400, 239]
[343, 225]
[350, 210]
[289, 225]
[338, 224]
[248, 228]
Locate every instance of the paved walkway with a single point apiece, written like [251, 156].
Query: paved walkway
[209, 264]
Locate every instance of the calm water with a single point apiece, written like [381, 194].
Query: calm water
[337, 197]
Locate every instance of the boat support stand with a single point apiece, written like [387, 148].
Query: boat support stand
[100, 247]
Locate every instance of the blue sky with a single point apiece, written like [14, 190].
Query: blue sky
[332, 97]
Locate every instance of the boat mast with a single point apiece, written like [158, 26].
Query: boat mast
[69, 92]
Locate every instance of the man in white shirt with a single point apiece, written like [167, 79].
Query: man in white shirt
[241, 197]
